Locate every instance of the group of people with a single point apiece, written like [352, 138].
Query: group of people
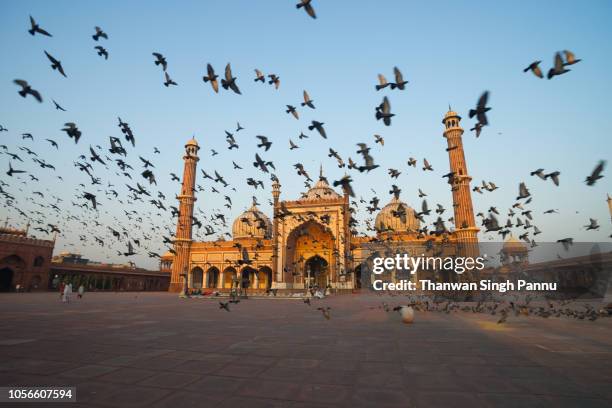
[66, 292]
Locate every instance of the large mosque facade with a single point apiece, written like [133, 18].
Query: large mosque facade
[311, 240]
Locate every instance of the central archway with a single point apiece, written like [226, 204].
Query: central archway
[304, 242]
[6, 279]
[316, 272]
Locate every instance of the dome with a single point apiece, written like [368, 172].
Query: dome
[167, 255]
[321, 191]
[252, 224]
[450, 114]
[390, 218]
[513, 245]
[192, 142]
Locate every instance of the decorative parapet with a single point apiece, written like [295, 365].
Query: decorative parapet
[24, 240]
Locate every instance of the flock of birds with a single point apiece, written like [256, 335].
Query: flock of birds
[512, 307]
[115, 176]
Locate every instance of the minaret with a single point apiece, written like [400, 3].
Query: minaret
[276, 276]
[182, 242]
[465, 224]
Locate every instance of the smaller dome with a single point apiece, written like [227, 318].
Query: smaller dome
[168, 254]
[450, 114]
[192, 142]
[513, 245]
[398, 217]
[252, 224]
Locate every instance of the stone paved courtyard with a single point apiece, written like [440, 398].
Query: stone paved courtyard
[155, 350]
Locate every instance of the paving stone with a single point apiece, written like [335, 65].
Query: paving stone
[88, 371]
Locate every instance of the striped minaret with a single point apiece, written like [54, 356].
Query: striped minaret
[182, 242]
[277, 270]
[466, 231]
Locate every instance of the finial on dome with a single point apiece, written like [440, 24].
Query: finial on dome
[254, 202]
[320, 171]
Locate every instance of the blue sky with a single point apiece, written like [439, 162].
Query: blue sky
[450, 52]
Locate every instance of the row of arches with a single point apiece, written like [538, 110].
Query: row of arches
[213, 277]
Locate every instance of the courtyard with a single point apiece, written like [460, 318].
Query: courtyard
[156, 350]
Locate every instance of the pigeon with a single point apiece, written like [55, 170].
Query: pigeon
[291, 110]
[558, 68]
[523, 191]
[12, 171]
[99, 34]
[481, 109]
[307, 101]
[554, 176]
[539, 173]
[534, 67]
[274, 79]
[307, 7]
[55, 64]
[102, 51]
[406, 312]
[570, 59]
[383, 111]
[53, 143]
[212, 78]
[36, 28]
[382, 82]
[169, 81]
[229, 81]
[90, 197]
[57, 106]
[399, 80]
[592, 225]
[319, 126]
[26, 89]
[364, 150]
[596, 174]
[72, 131]
[325, 311]
[259, 76]
[264, 142]
[160, 60]
[477, 128]
[345, 182]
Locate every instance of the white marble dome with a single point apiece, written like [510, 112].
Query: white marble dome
[252, 224]
[386, 219]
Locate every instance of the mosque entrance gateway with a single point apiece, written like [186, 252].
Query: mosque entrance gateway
[316, 272]
[315, 239]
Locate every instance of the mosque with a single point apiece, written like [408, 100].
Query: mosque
[310, 240]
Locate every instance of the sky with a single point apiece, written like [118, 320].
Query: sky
[449, 52]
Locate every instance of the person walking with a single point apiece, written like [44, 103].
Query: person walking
[62, 288]
[81, 291]
[67, 292]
